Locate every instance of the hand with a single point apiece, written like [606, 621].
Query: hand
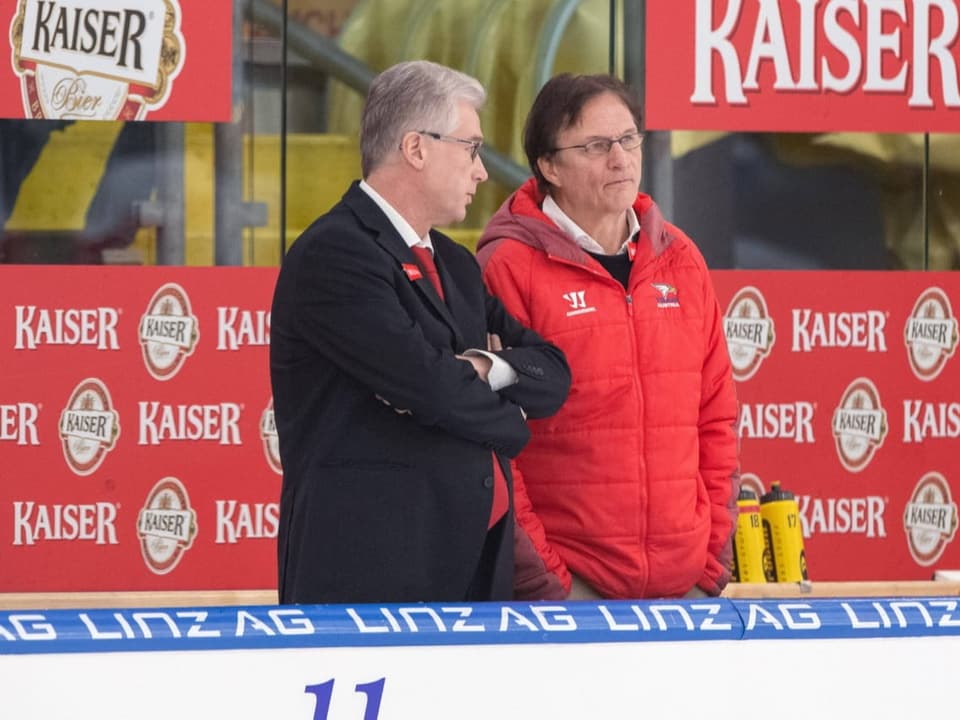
[480, 363]
[493, 342]
[695, 593]
[580, 590]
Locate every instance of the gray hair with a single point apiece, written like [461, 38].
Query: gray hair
[411, 96]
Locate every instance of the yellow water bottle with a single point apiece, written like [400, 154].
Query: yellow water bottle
[781, 528]
[748, 543]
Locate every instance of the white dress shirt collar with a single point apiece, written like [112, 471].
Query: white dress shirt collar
[579, 236]
[407, 232]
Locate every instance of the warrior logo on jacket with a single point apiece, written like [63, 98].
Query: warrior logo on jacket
[577, 300]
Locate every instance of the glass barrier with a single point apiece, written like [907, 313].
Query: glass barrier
[93, 192]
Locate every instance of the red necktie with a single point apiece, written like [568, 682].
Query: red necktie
[429, 267]
[500, 502]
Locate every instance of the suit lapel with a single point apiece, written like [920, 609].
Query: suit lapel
[390, 240]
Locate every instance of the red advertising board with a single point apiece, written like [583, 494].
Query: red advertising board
[136, 441]
[138, 452]
[850, 398]
[116, 60]
[808, 65]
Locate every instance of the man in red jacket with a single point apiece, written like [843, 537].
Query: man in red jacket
[630, 490]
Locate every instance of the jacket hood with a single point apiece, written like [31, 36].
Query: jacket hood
[520, 218]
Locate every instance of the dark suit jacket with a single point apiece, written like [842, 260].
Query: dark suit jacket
[390, 503]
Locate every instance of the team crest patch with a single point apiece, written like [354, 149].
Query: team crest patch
[667, 295]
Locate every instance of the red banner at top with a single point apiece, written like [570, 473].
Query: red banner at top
[804, 65]
[116, 60]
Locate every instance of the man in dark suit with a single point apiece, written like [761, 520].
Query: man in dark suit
[396, 404]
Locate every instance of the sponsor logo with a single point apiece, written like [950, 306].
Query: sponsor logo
[843, 516]
[271, 441]
[780, 421]
[89, 426]
[159, 423]
[18, 423]
[859, 425]
[832, 47]
[930, 519]
[237, 328]
[578, 303]
[94, 59]
[749, 330]
[169, 332]
[667, 296]
[842, 330]
[238, 520]
[930, 334]
[34, 522]
[43, 326]
[166, 525]
[923, 420]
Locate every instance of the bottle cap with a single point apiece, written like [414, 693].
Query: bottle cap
[776, 493]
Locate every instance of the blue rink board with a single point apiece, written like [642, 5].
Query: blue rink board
[305, 626]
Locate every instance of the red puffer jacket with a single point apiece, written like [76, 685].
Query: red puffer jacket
[632, 484]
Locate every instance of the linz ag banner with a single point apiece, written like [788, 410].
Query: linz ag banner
[803, 65]
[138, 449]
[116, 60]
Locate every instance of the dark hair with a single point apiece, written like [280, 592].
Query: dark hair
[558, 106]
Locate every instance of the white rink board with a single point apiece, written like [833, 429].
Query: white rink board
[858, 658]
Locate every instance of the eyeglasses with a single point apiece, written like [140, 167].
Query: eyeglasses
[602, 146]
[475, 145]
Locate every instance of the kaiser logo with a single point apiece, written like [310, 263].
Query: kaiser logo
[839, 329]
[930, 334]
[237, 328]
[239, 520]
[271, 442]
[96, 327]
[749, 330]
[930, 519]
[169, 332]
[96, 59]
[166, 526]
[841, 46]
[844, 516]
[89, 426]
[781, 421]
[859, 425]
[35, 522]
[18, 423]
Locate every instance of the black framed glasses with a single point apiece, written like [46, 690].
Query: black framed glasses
[602, 146]
[475, 145]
